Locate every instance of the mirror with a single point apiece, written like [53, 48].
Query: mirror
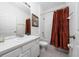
[12, 18]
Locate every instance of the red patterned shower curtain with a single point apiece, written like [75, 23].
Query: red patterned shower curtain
[60, 28]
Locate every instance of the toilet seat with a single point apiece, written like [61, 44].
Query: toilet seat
[43, 43]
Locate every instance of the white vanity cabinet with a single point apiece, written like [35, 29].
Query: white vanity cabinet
[29, 49]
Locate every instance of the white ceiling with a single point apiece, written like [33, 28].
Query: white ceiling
[48, 5]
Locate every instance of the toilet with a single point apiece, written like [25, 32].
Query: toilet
[43, 44]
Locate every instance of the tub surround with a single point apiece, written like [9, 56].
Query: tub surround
[15, 42]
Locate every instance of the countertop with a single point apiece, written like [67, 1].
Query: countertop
[15, 42]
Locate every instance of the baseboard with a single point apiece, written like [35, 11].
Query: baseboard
[62, 50]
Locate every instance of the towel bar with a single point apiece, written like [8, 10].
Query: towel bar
[72, 36]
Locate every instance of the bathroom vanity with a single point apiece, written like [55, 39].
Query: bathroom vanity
[13, 23]
[27, 46]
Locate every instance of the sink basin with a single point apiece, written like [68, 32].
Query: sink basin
[19, 39]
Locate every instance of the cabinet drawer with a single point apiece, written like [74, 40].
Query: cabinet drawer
[14, 53]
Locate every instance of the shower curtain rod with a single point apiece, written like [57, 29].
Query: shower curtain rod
[53, 10]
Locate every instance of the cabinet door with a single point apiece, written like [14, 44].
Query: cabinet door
[26, 53]
[35, 51]
[27, 46]
[14, 53]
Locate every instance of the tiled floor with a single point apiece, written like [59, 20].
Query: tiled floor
[53, 52]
